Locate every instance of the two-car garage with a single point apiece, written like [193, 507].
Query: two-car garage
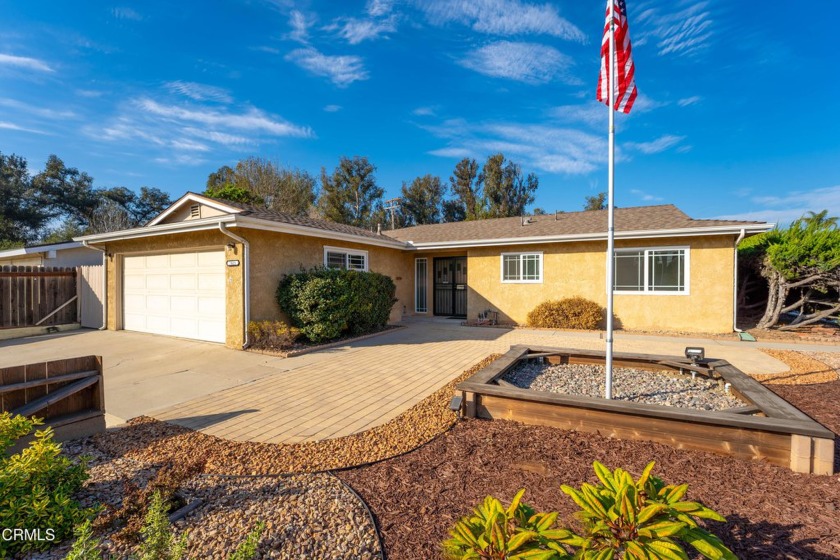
[175, 294]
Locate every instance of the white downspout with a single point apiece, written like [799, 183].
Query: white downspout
[246, 281]
[104, 284]
[735, 284]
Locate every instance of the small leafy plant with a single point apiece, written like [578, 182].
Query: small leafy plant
[37, 486]
[158, 541]
[272, 334]
[569, 313]
[622, 518]
[499, 533]
[642, 519]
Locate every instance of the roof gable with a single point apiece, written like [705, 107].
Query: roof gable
[193, 206]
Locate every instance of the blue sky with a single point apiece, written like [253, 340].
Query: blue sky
[736, 115]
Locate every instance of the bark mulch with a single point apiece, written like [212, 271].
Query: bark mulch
[771, 512]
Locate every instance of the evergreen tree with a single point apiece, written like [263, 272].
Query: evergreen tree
[350, 195]
[422, 201]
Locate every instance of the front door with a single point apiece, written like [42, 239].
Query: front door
[451, 286]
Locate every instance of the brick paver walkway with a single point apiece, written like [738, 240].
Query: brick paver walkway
[340, 391]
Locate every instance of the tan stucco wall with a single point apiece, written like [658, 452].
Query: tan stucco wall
[234, 311]
[275, 254]
[578, 269]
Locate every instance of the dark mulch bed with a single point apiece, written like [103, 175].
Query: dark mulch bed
[771, 512]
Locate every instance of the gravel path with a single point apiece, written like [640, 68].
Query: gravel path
[306, 515]
[629, 384]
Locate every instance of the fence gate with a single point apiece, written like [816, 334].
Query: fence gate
[37, 296]
[91, 296]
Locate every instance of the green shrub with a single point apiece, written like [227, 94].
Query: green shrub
[37, 486]
[158, 541]
[86, 546]
[569, 313]
[622, 518]
[272, 334]
[326, 304]
[247, 549]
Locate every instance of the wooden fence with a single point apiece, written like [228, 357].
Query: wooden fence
[37, 296]
[68, 394]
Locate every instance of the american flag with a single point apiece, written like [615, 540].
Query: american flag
[625, 93]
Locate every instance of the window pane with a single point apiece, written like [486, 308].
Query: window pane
[629, 271]
[666, 271]
[356, 262]
[512, 268]
[336, 260]
[532, 267]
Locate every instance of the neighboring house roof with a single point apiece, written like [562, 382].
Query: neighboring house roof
[636, 222]
[36, 249]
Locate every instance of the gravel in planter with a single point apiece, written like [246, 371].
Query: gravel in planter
[629, 384]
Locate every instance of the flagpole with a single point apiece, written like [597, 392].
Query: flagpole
[611, 207]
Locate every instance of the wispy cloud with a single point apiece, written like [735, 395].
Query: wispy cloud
[546, 148]
[591, 113]
[684, 32]
[647, 197]
[502, 17]
[89, 93]
[253, 119]
[379, 8]
[199, 92]
[355, 31]
[340, 70]
[791, 206]
[12, 126]
[525, 62]
[126, 13]
[25, 62]
[300, 24]
[189, 132]
[655, 146]
[332, 108]
[38, 111]
[423, 112]
[686, 101]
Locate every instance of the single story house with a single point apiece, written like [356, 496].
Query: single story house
[204, 267]
[68, 254]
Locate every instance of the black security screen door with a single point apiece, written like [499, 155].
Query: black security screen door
[451, 286]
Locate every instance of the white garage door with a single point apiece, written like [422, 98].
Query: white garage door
[178, 294]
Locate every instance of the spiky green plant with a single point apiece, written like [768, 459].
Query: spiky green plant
[642, 519]
[517, 532]
[247, 549]
[158, 541]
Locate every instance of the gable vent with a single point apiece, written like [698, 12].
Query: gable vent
[195, 211]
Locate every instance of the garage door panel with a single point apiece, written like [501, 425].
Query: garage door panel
[183, 281]
[214, 282]
[178, 294]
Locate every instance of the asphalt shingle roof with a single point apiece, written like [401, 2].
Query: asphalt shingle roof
[640, 218]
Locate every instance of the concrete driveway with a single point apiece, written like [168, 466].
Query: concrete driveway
[330, 393]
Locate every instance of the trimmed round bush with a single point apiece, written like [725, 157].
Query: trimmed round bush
[326, 304]
[569, 313]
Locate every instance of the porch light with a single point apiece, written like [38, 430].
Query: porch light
[695, 353]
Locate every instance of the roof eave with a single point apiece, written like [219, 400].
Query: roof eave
[40, 249]
[251, 222]
[597, 236]
[161, 229]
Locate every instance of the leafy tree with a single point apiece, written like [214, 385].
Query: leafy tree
[151, 202]
[498, 189]
[21, 216]
[231, 192]
[467, 191]
[539, 212]
[506, 191]
[350, 195]
[422, 200]
[597, 202]
[264, 183]
[65, 191]
[805, 259]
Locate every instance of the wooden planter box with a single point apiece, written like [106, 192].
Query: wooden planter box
[778, 432]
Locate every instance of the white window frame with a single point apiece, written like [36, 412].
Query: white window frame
[522, 267]
[646, 291]
[347, 253]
